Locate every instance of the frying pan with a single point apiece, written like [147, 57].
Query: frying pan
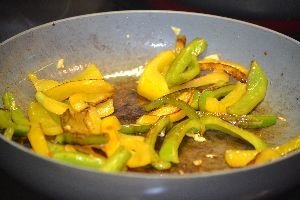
[123, 40]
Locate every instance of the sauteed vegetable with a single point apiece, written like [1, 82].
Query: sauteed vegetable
[74, 121]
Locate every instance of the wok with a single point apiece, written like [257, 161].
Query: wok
[123, 40]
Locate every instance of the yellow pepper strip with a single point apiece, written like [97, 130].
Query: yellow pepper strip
[214, 105]
[50, 104]
[93, 121]
[110, 126]
[37, 139]
[152, 83]
[140, 150]
[80, 101]
[106, 108]
[169, 109]
[50, 123]
[141, 154]
[234, 95]
[240, 158]
[236, 70]
[173, 111]
[65, 90]
[42, 84]
[151, 119]
[90, 73]
[205, 80]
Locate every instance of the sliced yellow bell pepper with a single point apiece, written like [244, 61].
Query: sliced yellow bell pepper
[90, 73]
[65, 90]
[152, 83]
[205, 80]
[141, 152]
[234, 95]
[50, 104]
[110, 126]
[106, 108]
[93, 121]
[37, 139]
[240, 158]
[80, 101]
[214, 105]
[42, 84]
[50, 123]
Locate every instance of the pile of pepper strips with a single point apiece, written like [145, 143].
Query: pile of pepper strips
[69, 120]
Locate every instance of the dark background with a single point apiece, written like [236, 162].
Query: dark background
[19, 15]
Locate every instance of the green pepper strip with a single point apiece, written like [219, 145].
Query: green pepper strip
[151, 138]
[134, 129]
[21, 123]
[79, 159]
[189, 111]
[6, 122]
[217, 93]
[244, 121]
[8, 133]
[257, 84]
[169, 149]
[195, 100]
[117, 162]
[184, 67]
[67, 138]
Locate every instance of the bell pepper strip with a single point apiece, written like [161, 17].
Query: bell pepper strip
[189, 111]
[67, 138]
[244, 121]
[50, 104]
[239, 158]
[195, 100]
[185, 67]
[8, 133]
[81, 101]
[234, 69]
[152, 83]
[91, 72]
[42, 85]
[167, 109]
[17, 115]
[215, 123]
[151, 119]
[217, 93]
[140, 150]
[205, 80]
[117, 162]
[37, 139]
[214, 105]
[162, 124]
[180, 43]
[134, 129]
[6, 122]
[50, 123]
[106, 108]
[257, 83]
[65, 90]
[151, 137]
[169, 149]
[92, 121]
[78, 159]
